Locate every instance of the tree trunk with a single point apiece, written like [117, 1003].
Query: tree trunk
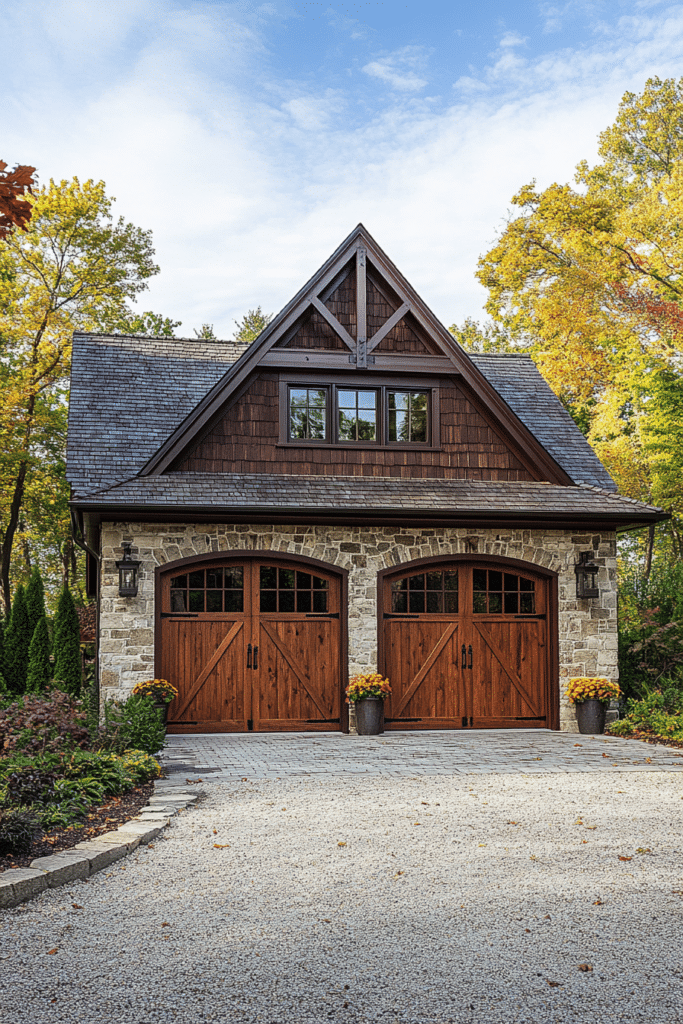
[8, 536]
[649, 551]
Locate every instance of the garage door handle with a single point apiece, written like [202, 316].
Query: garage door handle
[469, 651]
[248, 655]
[464, 656]
[255, 656]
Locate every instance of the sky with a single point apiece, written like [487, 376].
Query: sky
[252, 137]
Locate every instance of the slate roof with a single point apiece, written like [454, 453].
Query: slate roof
[128, 394]
[517, 379]
[271, 493]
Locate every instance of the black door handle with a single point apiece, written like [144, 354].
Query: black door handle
[469, 651]
[248, 655]
[464, 656]
[255, 656]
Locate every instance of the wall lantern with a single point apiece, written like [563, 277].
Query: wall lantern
[128, 573]
[586, 571]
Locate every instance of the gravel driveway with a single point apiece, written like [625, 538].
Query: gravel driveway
[465, 898]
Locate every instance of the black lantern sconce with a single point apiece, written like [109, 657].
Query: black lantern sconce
[586, 571]
[128, 573]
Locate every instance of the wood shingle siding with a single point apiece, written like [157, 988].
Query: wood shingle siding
[246, 440]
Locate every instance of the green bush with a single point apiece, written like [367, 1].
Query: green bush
[17, 642]
[659, 715]
[67, 645]
[39, 669]
[35, 599]
[18, 829]
[135, 723]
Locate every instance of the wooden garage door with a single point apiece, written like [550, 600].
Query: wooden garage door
[465, 646]
[251, 645]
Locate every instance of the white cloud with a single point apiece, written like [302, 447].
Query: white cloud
[397, 69]
[512, 39]
[249, 182]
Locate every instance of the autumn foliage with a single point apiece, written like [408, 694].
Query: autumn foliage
[15, 212]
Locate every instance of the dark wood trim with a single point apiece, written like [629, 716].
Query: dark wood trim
[277, 516]
[454, 357]
[361, 382]
[260, 555]
[306, 358]
[552, 613]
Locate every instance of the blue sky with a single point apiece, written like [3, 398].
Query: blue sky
[252, 137]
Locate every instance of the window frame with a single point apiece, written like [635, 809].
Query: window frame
[382, 390]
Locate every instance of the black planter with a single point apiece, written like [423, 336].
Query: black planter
[370, 716]
[590, 714]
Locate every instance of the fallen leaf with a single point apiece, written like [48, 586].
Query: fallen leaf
[165, 924]
[528, 931]
[547, 917]
[578, 744]
[77, 906]
[398, 875]
[584, 840]
[425, 804]
[326, 920]
[643, 849]
[50, 952]
[150, 846]
[513, 823]
[554, 984]
[625, 858]
[215, 832]
[597, 903]
[605, 755]
[221, 846]
[341, 844]
[482, 844]
[591, 828]
[585, 968]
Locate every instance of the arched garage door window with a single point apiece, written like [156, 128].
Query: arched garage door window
[252, 643]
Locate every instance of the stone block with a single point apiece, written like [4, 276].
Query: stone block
[19, 884]
[101, 855]
[140, 831]
[63, 867]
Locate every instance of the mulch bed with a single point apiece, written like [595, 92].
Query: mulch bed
[109, 816]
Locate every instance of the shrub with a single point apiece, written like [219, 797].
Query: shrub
[17, 830]
[35, 600]
[30, 785]
[40, 724]
[38, 675]
[658, 715]
[134, 723]
[67, 645]
[17, 641]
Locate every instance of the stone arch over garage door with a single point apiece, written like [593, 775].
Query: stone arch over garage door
[253, 641]
[469, 641]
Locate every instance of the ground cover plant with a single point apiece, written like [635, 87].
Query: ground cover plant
[657, 717]
[57, 763]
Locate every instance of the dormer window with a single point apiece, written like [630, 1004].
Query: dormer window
[338, 414]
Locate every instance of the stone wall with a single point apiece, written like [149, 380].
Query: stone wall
[587, 629]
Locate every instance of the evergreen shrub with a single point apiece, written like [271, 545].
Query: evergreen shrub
[17, 642]
[67, 645]
[39, 667]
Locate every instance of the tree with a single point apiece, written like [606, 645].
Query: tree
[35, 599]
[252, 324]
[588, 279]
[146, 325]
[38, 675]
[205, 333]
[17, 642]
[67, 645]
[15, 212]
[75, 268]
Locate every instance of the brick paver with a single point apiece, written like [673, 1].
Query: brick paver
[226, 757]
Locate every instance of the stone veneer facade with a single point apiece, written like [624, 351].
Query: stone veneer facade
[587, 629]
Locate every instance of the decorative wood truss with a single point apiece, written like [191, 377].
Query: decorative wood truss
[362, 267]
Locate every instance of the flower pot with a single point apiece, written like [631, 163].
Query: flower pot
[370, 716]
[590, 714]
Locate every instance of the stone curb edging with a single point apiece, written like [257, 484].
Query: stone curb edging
[84, 859]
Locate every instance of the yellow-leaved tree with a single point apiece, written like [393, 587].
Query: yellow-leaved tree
[75, 267]
[588, 278]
